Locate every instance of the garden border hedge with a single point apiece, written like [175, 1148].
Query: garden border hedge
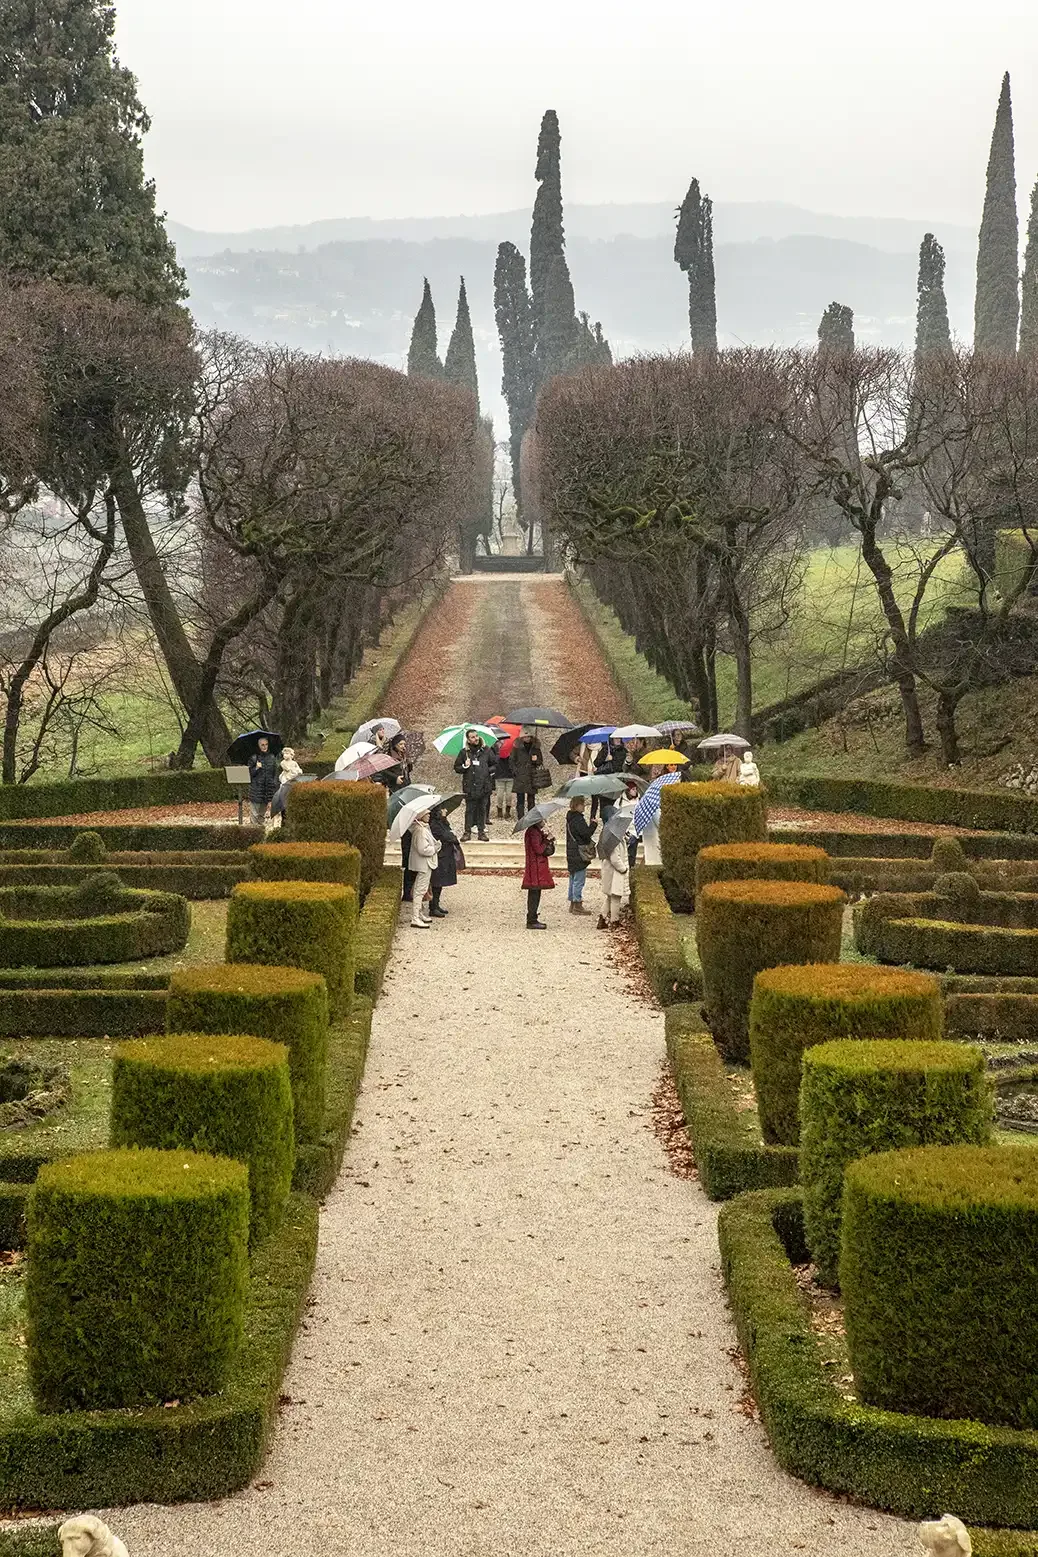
[198, 883]
[119, 925]
[74, 797]
[376, 926]
[912, 1466]
[134, 837]
[671, 960]
[974, 808]
[82, 1013]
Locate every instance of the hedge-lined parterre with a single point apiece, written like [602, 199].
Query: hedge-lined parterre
[694, 815]
[70, 797]
[334, 812]
[939, 1271]
[137, 1274]
[338, 862]
[760, 862]
[795, 1007]
[287, 1005]
[862, 1096]
[956, 925]
[973, 808]
[98, 921]
[670, 958]
[297, 924]
[223, 1094]
[743, 927]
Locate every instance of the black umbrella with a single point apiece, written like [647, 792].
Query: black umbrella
[613, 832]
[567, 743]
[547, 718]
[245, 746]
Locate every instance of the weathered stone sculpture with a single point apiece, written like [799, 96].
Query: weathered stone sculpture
[945, 1537]
[88, 1536]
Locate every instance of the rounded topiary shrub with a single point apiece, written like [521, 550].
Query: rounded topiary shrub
[939, 1271]
[212, 1092]
[100, 920]
[948, 857]
[339, 812]
[743, 927]
[795, 1007]
[760, 862]
[861, 1096]
[87, 849]
[137, 1275]
[339, 862]
[297, 924]
[287, 1005]
[694, 815]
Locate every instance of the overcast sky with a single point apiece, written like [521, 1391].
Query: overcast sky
[268, 111]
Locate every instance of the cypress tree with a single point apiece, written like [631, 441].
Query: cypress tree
[591, 349]
[422, 361]
[75, 205]
[997, 306]
[558, 333]
[836, 328]
[459, 365]
[1029, 289]
[932, 331]
[547, 236]
[694, 252]
[513, 310]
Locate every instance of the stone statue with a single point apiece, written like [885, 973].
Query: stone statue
[748, 772]
[290, 768]
[88, 1536]
[945, 1537]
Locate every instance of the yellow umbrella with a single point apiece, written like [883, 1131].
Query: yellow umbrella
[659, 759]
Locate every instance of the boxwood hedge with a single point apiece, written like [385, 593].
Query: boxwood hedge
[81, 1013]
[307, 862]
[376, 926]
[977, 809]
[132, 837]
[297, 924]
[760, 862]
[98, 921]
[693, 815]
[336, 812]
[666, 940]
[72, 797]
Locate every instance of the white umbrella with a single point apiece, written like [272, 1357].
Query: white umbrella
[409, 814]
[353, 754]
[723, 742]
[634, 732]
[389, 727]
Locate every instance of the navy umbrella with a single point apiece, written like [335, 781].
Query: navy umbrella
[245, 746]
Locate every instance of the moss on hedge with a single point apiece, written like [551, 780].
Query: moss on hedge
[337, 812]
[297, 924]
[694, 815]
[666, 940]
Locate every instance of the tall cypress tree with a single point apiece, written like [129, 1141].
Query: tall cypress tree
[74, 203]
[422, 361]
[694, 252]
[836, 328]
[459, 365]
[513, 310]
[932, 330]
[547, 236]
[1029, 287]
[996, 310]
[558, 331]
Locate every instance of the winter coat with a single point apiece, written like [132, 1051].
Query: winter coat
[526, 758]
[578, 830]
[538, 866]
[476, 766]
[263, 777]
[395, 778]
[616, 875]
[423, 851]
[445, 873]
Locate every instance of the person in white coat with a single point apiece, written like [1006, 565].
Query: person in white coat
[421, 860]
[616, 877]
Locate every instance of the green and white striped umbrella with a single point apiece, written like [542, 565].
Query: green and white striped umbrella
[451, 740]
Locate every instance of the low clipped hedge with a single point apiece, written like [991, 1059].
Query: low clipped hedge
[969, 948]
[72, 797]
[222, 1094]
[199, 881]
[137, 1273]
[339, 862]
[694, 815]
[670, 958]
[297, 924]
[376, 926]
[1000, 812]
[743, 927]
[98, 921]
[914, 1466]
[133, 837]
[81, 1013]
[862, 1096]
[287, 1005]
[760, 862]
[338, 812]
[13, 1198]
[912, 849]
[1011, 1018]
[939, 1270]
[318, 1163]
[729, 1153]
[795, 1007]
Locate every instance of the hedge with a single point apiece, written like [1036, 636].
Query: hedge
[199, 882]
[137, 1272]
[73, 797]
[131, 837]
[743, 927]
[730, 1156]
[79, 1124]
[297, 924]
[939, 1270]
[229, 1096]
[909, 1465]
[795, 1007]
[81, 1013]
[286, 1005]
[339, 812]
[338, 862]
[862, 1096]
[1000, 812]
[1009, 1017]
[760, 862]
[318, 1164]
[693, 815]
[12, 1215]
[666, 940]
[98, 921]
[936, 943]
[376, 926]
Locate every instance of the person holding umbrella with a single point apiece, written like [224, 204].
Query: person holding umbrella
[580, 851]
[616, 871]
[263, 780]
[475, 764]
[537, 876]
[421, 859]
[398, 777]
[445, 871]
[529, 773]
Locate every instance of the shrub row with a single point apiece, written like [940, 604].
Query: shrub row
[342, 813]
[694, 815]
[127, 837]
[338, 862]
[666, 940]
[71, 797]
[297, 924]
[1009, 1018]
[318, 1163]
[973, 808]
[98, 921]
[376, 926]
[946, 943]
[760, 862]
[198, 882]
[81, 1013]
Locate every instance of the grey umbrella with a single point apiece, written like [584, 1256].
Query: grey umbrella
[539, 814]
[614, 832]
[723, 743]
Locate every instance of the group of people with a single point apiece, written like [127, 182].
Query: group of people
[521, 771]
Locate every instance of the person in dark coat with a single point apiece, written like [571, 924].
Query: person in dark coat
[537, 876]
[445, 872]
[263, 781]
[527, 758]
[580, 834]
[398, 777]
[475, 764]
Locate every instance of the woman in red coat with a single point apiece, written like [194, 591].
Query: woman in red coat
[537, 877]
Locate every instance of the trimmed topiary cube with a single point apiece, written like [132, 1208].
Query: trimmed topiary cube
[743, 927]
[136, 1280]
[297, 924]
[760, 862]
[286, 1005]
[861, 1096]
[339, 862]
[340, 812]
[795, 1007]
[212, 1092]
[939, 1271]
[694, 815]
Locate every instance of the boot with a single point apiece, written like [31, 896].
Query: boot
[578, 908]
[603, 923]
[466, 837]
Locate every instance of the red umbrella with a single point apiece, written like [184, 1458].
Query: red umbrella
[510, 731]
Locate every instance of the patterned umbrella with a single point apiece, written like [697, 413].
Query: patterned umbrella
[353, 754]
[367, 767]
[647, 811]
[450, 741]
